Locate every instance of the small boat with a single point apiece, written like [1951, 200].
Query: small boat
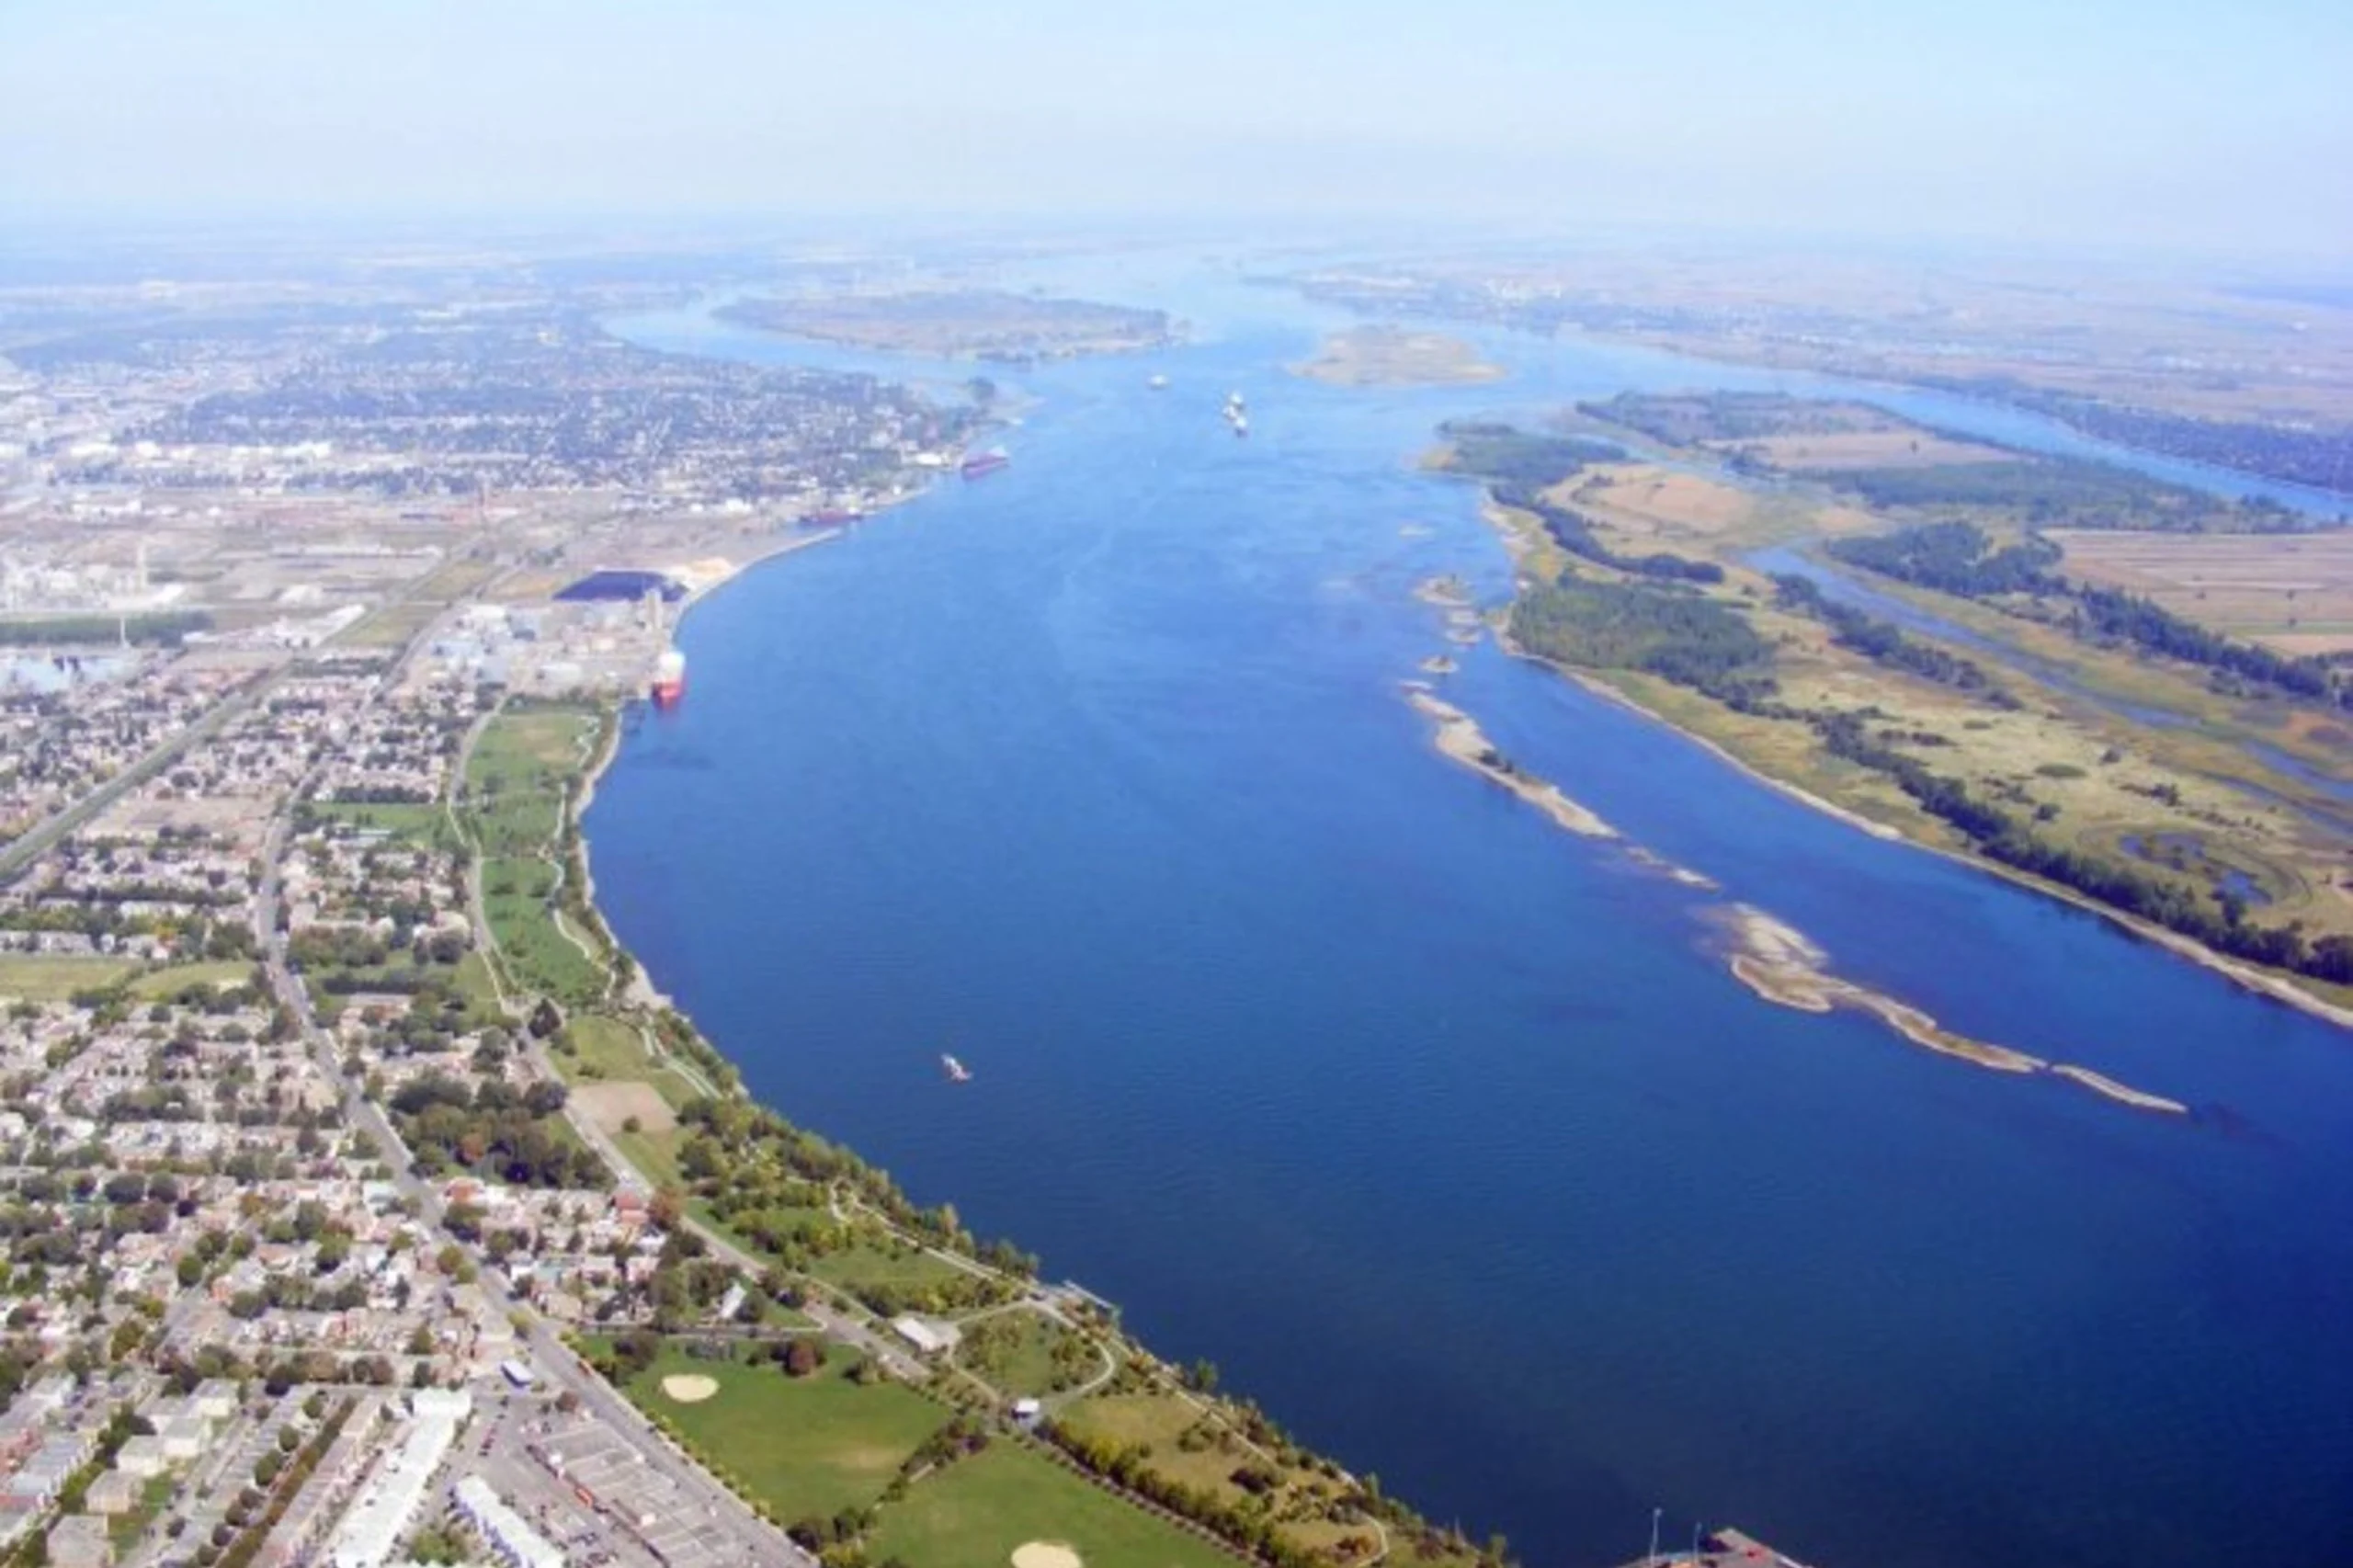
[1234, 402]
[1241, 426]
[980, 463]
[1158, 383]
[957, 1071]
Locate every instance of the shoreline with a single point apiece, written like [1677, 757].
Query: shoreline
[633, 984]
[2248, 977]
[1770, 957]
[637, 983]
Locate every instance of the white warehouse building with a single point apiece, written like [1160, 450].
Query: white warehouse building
[388, 1500]
[509, 1535]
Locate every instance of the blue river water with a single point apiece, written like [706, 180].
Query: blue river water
[1445, 1135]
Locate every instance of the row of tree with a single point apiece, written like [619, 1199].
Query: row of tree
[2220, 924]
[1572, 532]
[1883, 641]
[1957, 558]
[1678, 635]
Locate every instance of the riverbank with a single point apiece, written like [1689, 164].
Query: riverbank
[1210, 919]
[2261, 982]
[881, 1256]
[1650, 597]
[1773, 959]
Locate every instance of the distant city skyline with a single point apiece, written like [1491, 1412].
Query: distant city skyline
[2169, 124]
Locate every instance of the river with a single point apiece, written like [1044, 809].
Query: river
[1445, 1135]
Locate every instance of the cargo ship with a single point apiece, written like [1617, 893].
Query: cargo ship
[669, 678]
[986, 463]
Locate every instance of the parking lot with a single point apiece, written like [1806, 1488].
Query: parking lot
[630, 1500]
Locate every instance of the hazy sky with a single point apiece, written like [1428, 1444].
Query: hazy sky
[2213, 123]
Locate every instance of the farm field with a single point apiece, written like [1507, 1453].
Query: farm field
[2212, 820]
[1832, 450]
[2292, 592]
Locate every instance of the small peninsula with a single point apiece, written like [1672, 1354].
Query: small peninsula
[974, 323]
[1380, 355]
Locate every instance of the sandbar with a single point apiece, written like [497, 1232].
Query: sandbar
[1782, 965]
[1460, 738]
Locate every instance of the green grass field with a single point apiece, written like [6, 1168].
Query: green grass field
[813, 1444]
[453, 580]
[1016, 1352]
[515, 783]
[425, 824]
[975, 1512]
[38, 977]
[656, 1155]
[595, 1049]
[865, 1265]
[174, 978]
[469, 978]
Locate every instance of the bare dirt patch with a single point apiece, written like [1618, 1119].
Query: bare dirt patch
[1045, 1554]
[1659, 503]
[689, 1388]
[609, 1105]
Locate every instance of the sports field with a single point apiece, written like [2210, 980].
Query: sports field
[980, 1510]
[806, 1445]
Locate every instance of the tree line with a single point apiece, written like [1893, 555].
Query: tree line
[1677, 635]
[1956, 558]
[1504, 454]
[1572, 532]
[1884, 642]
[2220, 924]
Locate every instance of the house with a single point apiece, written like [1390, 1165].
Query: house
[184, 1437]
[79, 1540]
[115, 1492]
[142, 1457]
[928, 1335]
